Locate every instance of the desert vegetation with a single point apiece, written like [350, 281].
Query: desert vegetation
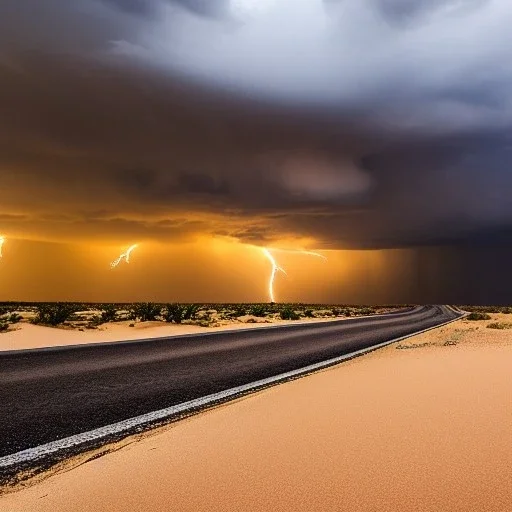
[488, 309]
[84, 316]
[177, 313]
[108, 313]
[289, 313]
[53, 314]
[8, 318]
[499, 325]
[478, 315]
[145, 312]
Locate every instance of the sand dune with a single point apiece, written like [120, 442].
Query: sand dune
[427, 428]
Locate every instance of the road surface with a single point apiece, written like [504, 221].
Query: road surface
[50, 394]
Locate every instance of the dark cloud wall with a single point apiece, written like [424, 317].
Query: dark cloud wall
[165, 120]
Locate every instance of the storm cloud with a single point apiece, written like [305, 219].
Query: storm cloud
[353, 123]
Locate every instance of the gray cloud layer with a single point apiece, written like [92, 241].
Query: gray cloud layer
[373, 123]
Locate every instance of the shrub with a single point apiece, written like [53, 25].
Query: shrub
[53, 314]
[145, 311]
[309, 313]
[288, 313]
[14, 318]
[4, 310]
[190, 312]
[173, 313]
[487, 309]
[4, 326]
[240, 311]
[499, 325]
[108, 313]
[10, 318]
[258, 310]
[478, 316]
[234, 312]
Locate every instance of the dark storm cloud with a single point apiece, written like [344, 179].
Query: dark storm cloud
[212, 8]
[190, 183]
[410, 11]
[150, 7]
[139, 7]
[117, 117]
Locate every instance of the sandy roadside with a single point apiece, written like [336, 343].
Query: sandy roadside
[425, 427]
[27, 336]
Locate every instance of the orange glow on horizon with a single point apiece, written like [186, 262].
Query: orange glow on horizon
[208, 269]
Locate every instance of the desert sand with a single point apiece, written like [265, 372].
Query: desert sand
[425, 425]
[28, 336]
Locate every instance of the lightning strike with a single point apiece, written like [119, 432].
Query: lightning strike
[2, 241]
[300, 251]
[276, 268]
[124, 256]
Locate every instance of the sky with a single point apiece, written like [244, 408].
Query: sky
[377, 132]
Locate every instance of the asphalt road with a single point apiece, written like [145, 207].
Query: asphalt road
[49, 394]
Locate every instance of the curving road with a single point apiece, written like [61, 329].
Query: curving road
[49, 394]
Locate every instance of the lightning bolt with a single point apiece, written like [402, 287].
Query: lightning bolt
[2, 241]
[124, 256]
[276, 268]
[300, 251]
